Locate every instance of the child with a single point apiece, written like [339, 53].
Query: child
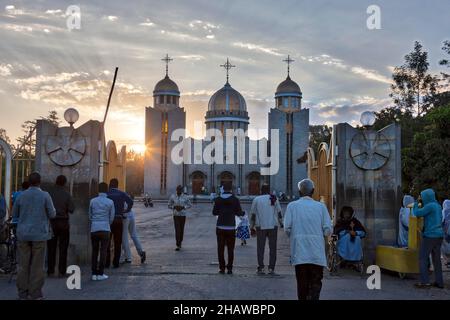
[243, 230]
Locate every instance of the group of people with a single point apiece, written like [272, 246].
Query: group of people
[42, 225]
[435, 234]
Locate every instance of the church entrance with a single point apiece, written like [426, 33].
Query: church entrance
[198, 182]
[254, 183]
[225, 177]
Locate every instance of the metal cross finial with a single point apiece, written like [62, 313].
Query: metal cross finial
[288, 61]
[227, 67]
[167, 59]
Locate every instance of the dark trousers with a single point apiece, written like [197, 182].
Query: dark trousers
[261, 236]
[309, 281]
[225, 238]
[61, 238]
[116, 237]
[430, 246]
[100, 244]
[179, 222]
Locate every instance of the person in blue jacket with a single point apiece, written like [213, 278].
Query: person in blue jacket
[432, 236]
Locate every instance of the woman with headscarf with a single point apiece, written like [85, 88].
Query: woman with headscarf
[350, 231]
[432, 237]
[403, 221]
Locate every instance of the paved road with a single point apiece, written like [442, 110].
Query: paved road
[192, 272]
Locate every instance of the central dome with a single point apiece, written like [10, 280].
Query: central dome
[227, 99]
[288, 86]
[166, 86]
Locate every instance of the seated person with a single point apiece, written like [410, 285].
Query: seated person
[403, 221]
[350, 232]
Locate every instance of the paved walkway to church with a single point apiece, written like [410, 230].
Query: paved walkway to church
[192, 272]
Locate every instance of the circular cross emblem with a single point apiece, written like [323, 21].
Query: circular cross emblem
[67, 148]
[370, 150]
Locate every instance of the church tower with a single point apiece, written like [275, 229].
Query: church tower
[293, 124]
[161, 175]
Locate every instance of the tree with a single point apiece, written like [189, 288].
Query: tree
[4, 135]
[427, 161]
[445, 62]
[414, 87]
[319, 134]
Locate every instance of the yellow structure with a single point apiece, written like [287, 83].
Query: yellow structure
[402, 260]
[319, 171]
[115, 164]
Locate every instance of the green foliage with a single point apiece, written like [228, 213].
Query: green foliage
[446, 62]
[319, 134]
[414, 88]
[427, 161]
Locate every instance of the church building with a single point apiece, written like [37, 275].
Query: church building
[227, 109]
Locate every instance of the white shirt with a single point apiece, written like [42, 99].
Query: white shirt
[266, 215]
[307, 222]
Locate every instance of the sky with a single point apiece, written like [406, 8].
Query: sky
[342, 67]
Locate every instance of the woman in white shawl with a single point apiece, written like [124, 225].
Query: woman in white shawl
[403, 221]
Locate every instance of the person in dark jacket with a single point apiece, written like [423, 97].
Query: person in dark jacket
[226, 207]
[119, 198]
[63, 203]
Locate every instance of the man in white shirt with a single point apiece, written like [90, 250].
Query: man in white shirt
[265, 215]
[307, 222]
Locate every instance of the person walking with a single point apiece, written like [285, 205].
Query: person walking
[119, 198]
[129, 227]
[179, 203]
[432, 236]
[226, 208]
[32, 211]
[101, 216]
[265, 217]
[306, 222]
[63, 203]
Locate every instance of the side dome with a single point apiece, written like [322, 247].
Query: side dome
[166, 86]
[288, 86]
[227, 99]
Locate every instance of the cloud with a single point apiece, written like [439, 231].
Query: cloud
[11, 10]
[193, 57]
[54, 12]
[110, 18]
[5, 69]
[147, 23]
[371, 74]
[256, 47]
[81, 89]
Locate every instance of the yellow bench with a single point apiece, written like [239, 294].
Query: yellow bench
[402, 260]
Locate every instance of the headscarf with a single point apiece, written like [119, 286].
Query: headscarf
[343, 224]
[446, 215]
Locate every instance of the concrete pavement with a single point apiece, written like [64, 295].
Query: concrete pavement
[192, 272]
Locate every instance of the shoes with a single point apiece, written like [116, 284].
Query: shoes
[221, 271]
[116, 266]
[440, 286]
[143, 256]
[260, 271]
[271, 271]
[127, 261]
[102, 277]
[230, 271]
[94, 277]
[177, 248]
[423, 285]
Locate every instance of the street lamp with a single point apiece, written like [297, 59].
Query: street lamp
[71, 115]
[367, 118]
